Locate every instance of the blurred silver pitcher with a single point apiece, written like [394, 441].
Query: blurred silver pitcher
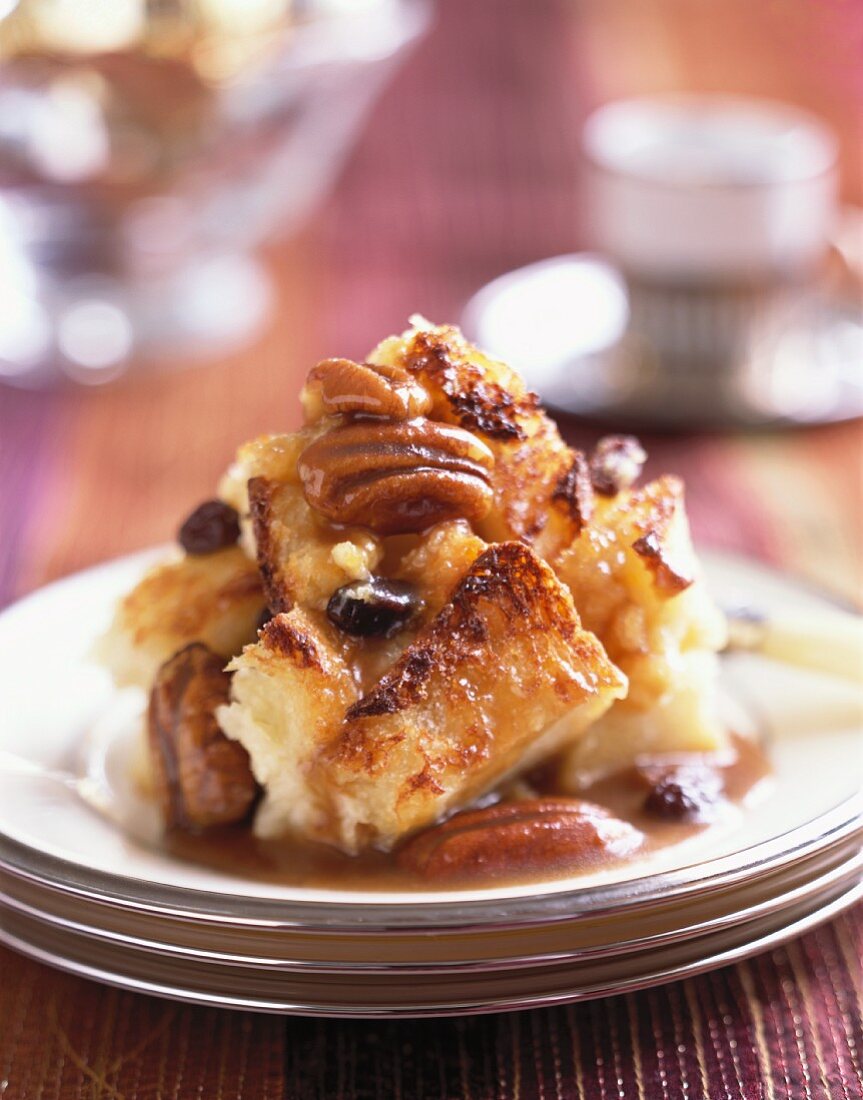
[146, 147]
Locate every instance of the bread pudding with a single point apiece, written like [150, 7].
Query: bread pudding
[402, 615]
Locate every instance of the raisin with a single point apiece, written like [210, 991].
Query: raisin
[683, 795]
[212, 526]
[376, 607]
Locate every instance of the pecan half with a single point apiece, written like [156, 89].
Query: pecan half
[397, 476]
[529, 836]
[616, 464]
[343, 386]
[202, 778]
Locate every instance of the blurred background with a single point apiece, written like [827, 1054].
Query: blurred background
[199, 200]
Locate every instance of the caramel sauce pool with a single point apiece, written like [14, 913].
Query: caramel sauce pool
[236, 851]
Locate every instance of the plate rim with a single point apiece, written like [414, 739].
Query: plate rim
[369, 916]
[847, 871]
[774, 937]
[358, 917]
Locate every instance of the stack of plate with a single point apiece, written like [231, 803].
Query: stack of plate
[81, 887]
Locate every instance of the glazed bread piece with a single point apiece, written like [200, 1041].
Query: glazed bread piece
[501, 677]
[301, 559]
[289, 693]
[639, 588]
[292, 688]
[215, 599]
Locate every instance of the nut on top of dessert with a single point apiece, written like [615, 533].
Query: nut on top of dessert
[366, 389]
[397, 476]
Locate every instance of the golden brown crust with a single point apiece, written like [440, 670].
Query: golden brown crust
[575, 492]
[506, 574]
[202, 778]
[281, 635]
[619, 596]
[261, 492]
[666, 578]
[185, 614]
[477, 402]
[398, 689]
[616, 463]
[654, 509]
[488, 398]
[214, 598]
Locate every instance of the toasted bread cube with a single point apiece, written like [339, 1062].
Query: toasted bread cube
[636, 581]
[610, 576]
[289, 694]
[291, 690]
[215, 599]
[302, 558]
[685, 718]
[500, 679]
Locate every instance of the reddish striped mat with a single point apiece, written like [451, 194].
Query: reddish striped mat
[785, 1024]
[469, 168]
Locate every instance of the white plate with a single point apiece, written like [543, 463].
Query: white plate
[81, 888]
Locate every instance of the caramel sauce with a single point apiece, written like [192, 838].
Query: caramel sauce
[291, 861]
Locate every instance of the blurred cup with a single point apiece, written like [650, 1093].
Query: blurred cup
[718, 211]
[148, 146]
[711, 188]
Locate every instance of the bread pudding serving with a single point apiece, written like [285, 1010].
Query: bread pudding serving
[423, 625]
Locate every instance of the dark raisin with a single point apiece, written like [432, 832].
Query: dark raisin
[684, 795]
[376, 607]
[212, 526]
[264, 618]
